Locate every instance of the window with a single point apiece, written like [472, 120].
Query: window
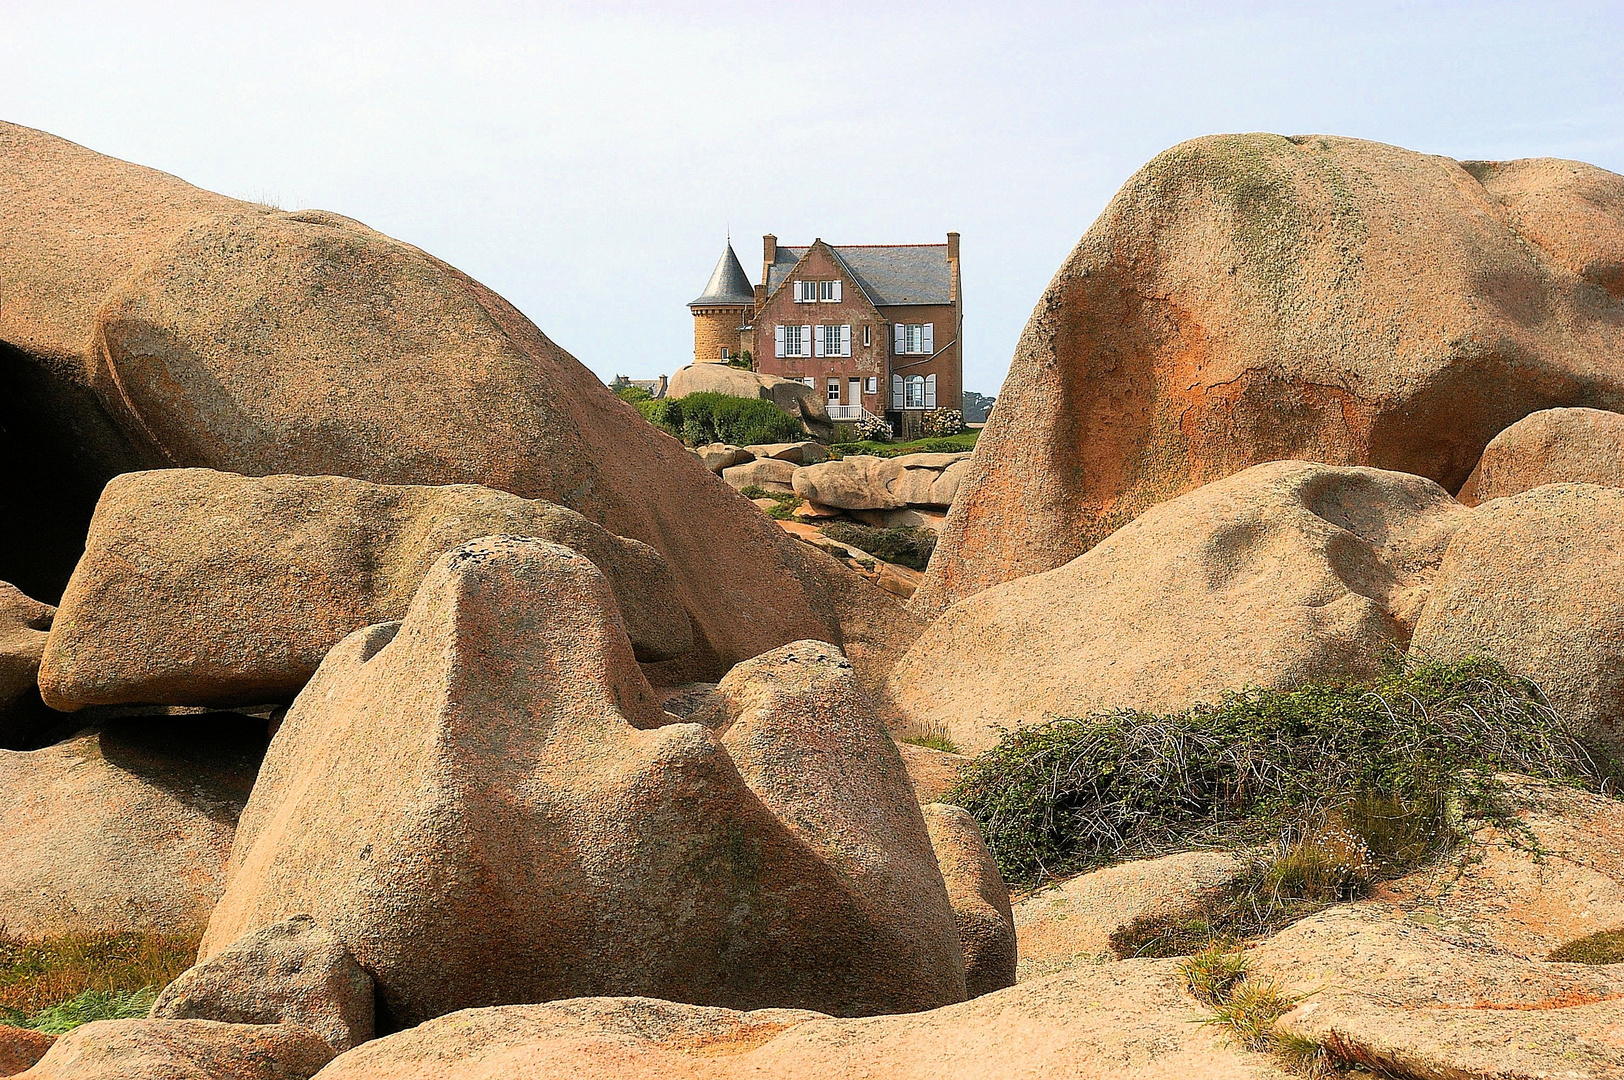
[873, 385]
[866, 341]
[915, 339]
[792, 341]
[811, 292]
[805, 380]
[833, 340]
[834, 391]
[914, 392]
[725, 354]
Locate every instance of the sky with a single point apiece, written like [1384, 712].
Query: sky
[587, 160]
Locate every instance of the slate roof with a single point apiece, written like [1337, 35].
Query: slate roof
[889, 273]
[728, 284]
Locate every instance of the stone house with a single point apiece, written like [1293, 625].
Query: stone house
[876, 327]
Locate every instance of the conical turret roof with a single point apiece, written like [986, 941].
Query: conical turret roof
[728, 284]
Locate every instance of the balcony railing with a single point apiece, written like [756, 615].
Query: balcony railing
[846, 412]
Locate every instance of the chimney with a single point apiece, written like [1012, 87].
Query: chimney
[953, 267]
[952, 247]
[769, 249]
[660, 390]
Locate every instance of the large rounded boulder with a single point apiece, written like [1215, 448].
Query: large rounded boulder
[1552, 446]
[155, 324]
[1246, 298]
[1286, 572]
[1536, 581]
[485, 803]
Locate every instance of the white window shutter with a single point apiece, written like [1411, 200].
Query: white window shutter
[902, 342]
[929, 338]
[896, 391]
[837, 292]
[778, 341]
[817, 341]
[845, 339]
[930, 391]
[806, 334]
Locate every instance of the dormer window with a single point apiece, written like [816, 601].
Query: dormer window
[812, 292]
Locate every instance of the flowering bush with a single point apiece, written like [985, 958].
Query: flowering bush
[940, 423]
[874, 428]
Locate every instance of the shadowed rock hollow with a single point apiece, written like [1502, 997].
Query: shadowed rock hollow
[528, 824]
[1252, 297]
[1552, 446]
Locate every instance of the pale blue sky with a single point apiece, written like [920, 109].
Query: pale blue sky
[585, 159]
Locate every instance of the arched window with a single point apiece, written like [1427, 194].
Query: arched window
[915, 396]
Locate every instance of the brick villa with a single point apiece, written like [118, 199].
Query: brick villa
[875, 326]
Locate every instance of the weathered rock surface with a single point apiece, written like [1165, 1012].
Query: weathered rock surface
[518, 796]
[20, 1048]
[898, 580]
[719, 456]
[1129, 1020]
[292, 565]
[1422, 1001]
[1252, 297]
[979, 896]
[183, 1050]
[932, 772]
[1536, 581]
[797, 399]
[72, 222]
[769, 474]
[1552, 446]
[1288, 571]
[805, 452]
[24, 625]
[148, 323]
[1552, 877]
[291, 972]
[864, 482]
[125, 828]
[1071, 922]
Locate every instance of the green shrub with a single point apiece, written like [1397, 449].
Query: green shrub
[786, 503]
[704, 418]
[908, 546]
[1074, 793]
[633, 394]
[1603, 947]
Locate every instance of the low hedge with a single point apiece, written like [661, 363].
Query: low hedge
[709, 417]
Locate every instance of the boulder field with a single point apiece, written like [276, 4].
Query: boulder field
[1253, 297]
[556, 757]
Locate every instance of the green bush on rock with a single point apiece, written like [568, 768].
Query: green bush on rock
[1426, 738]
[699, 419]
[908, 546]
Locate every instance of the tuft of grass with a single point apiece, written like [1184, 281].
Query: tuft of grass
[787, 502]
[1249, 1011]
[74, 979]
[1213, 972]
[933, 740]
[908, 546]
[1303, 1055]
[1247, 1008]
[63, 1017]
[1385, 760]
[1603, 947]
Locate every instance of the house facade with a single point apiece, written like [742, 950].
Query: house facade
[877, 328]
